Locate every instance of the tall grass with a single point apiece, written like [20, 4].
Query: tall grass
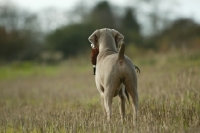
[67, 100]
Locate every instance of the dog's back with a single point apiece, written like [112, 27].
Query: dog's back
[116, 65]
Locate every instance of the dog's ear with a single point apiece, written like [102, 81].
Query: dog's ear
[94, 39]
[118, 37]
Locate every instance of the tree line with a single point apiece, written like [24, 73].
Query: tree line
[21, 37]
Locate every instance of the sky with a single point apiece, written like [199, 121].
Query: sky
[36, 5]
[181, 8]
[187, 8]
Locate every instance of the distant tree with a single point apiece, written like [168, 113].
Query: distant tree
[131, 28]
[155, 14]
[73, 38]
[130, 22]
[101, 16]
[70, 39]
[19, 34]
[181, 33]
[11, 45]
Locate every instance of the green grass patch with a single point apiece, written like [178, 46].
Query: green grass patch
[27, 69]
[147, 62]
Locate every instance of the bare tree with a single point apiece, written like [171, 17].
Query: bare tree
[21, 33]
[154, 14]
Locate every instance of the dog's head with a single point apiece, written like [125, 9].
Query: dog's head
[98, 36]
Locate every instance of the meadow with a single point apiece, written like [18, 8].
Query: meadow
[62, 98]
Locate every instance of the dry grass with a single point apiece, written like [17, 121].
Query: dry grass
[168, 86]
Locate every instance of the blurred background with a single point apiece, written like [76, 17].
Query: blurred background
[50, 31]
[46, 77]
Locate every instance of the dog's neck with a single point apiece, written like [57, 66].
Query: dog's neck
[107, 44]
[105, 53]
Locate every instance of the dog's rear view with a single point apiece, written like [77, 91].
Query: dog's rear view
[114, 71]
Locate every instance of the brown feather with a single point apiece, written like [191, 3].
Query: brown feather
[94, 55]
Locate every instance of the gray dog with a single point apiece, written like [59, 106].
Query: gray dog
[115, 73]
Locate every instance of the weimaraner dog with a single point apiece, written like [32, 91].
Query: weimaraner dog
[115, 73]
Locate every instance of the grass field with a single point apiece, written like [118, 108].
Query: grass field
[63, 98]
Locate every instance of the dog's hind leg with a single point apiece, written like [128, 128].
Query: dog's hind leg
[132, 90]
[122, 104]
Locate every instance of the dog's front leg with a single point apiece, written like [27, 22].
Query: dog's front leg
[107, 104]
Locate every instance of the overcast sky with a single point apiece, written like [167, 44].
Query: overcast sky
[35, 5]
[187, 8]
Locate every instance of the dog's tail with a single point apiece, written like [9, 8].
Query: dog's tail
[121, 51]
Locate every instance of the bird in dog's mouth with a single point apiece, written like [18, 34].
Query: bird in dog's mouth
[94, 54]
